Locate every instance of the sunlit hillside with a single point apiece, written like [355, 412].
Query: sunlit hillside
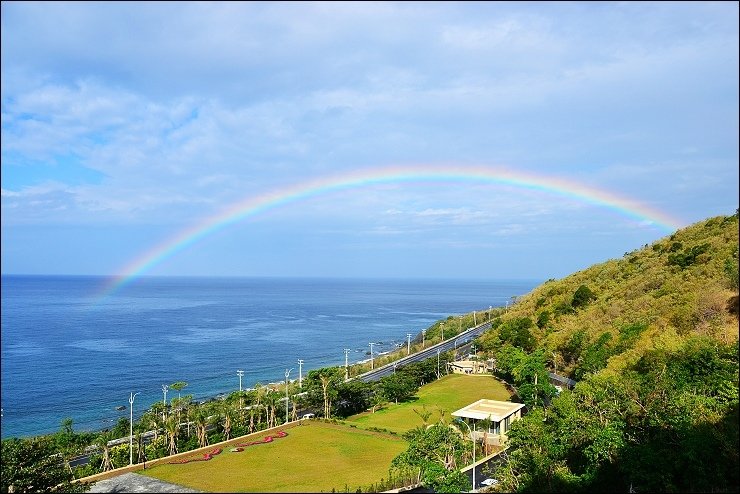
[680, 285]
[652, 341]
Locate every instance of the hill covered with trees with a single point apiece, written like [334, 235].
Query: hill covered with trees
[652, 339]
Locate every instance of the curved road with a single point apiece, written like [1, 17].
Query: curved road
[429, 352]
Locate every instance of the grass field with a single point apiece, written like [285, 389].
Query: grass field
[313, 457]
[451, 393]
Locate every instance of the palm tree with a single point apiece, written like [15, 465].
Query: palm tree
[424, 414]
[260, 394]
[155, 422]
[325, 380]
[271, 401]
[227, 412]
[200, 417]
[139, 446]
[485, 425]
[101, 441]
[172, 426]
[178, 386]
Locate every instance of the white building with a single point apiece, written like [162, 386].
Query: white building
[501, 414]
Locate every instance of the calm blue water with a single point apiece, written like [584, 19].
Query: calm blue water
[66, 354]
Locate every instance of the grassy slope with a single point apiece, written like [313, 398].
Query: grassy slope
[313, 457]
[449, 393]
[643, 287]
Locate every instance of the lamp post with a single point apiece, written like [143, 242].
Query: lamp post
[472, 435]
[423, 337]
[437, 363]
[490, 308]
[408, 343]
[131, 398]
[300, 373]
[240, 373]
[346, 364]
[287, 373]
[164, 401]
[372, 365]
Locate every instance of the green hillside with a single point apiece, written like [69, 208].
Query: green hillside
[652, 339]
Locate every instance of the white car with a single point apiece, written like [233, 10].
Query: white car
[489, 482]
[308, 416]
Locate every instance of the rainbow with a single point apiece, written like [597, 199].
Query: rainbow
[252, 206]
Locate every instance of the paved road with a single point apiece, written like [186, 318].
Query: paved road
[447, 345]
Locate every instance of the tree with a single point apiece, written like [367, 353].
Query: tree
[102, 443]
[582, 297]
[172, 426]
[178, 386]
[228, 414]
[424, 414]
[398, 387]
[436, 451]
[484, 425]
[32, 465]
[200, 417]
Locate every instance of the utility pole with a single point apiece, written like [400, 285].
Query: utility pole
[164, 401]
[490, 309]
[300, 373]
[131, 398]
[346, 364]
[408, 344]
[475, 322]
[437, 363]
[287, 373]
[442, 328]
[240, 373]
[423, 337]
[372, 364]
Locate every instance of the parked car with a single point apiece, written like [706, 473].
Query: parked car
[308, 416]
[489, 482]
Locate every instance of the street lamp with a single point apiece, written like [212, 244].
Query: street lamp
[300, 373]
[346, 364]
[164, 401]
[472, 435]
[423, 337]
[287, 373]
[372, 365]
[408, 344]
[131, 398]
[240, 373]
[437, 363]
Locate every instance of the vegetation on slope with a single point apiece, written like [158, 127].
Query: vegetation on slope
[652, 339]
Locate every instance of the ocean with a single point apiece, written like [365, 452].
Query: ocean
[67, 352]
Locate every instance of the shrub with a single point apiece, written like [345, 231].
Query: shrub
[582, 297]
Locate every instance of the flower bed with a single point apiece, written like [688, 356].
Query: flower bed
[238, 448]
[267, 439]
[205, 457]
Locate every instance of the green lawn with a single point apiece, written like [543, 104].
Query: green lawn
[451, 393]
[313, 457]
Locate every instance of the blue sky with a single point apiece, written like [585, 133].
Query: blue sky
[126, 123]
